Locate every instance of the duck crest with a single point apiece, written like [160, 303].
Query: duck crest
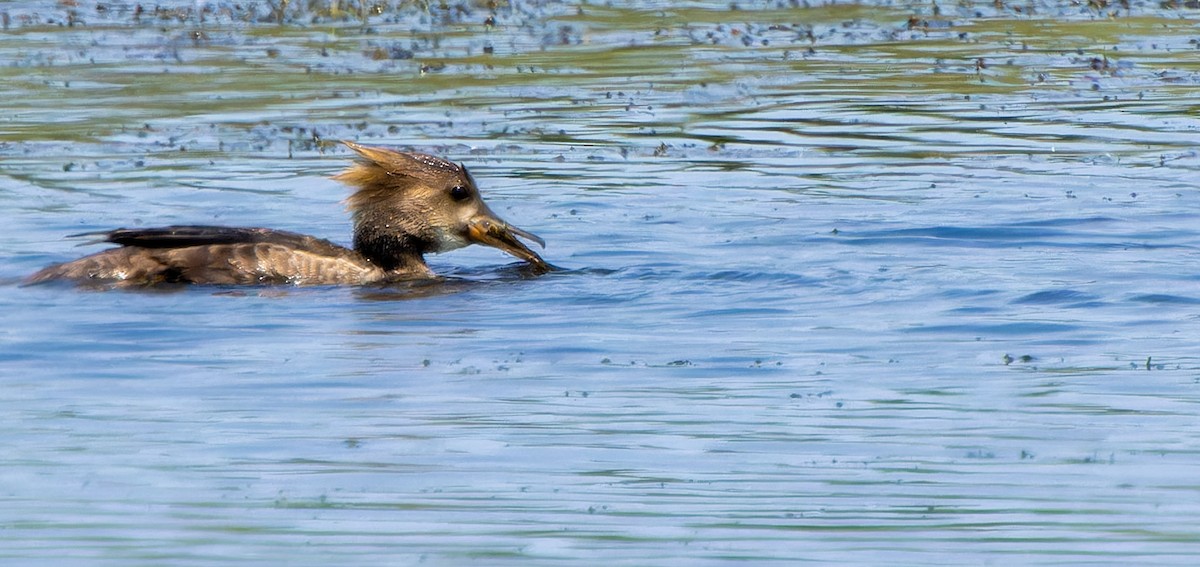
[382, 174]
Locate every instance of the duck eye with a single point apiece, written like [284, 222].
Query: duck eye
[459, 192]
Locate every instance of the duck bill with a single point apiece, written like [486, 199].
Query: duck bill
[498, 234]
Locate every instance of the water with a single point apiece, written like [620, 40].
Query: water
[841, 286]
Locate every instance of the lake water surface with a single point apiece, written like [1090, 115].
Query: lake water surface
[856, 283]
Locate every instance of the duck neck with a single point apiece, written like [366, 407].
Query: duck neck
[391, 251]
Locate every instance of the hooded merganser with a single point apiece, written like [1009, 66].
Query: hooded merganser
[404, 206]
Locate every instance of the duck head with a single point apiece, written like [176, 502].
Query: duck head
[409, 204]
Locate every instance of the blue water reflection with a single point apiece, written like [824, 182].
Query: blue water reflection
[824, 307]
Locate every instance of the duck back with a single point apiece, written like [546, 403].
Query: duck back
[215, 255]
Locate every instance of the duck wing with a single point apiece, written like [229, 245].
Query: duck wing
[182, 236]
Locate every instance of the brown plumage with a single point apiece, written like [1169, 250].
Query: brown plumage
[405, 205]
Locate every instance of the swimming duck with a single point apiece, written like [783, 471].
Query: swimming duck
[405, 205]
